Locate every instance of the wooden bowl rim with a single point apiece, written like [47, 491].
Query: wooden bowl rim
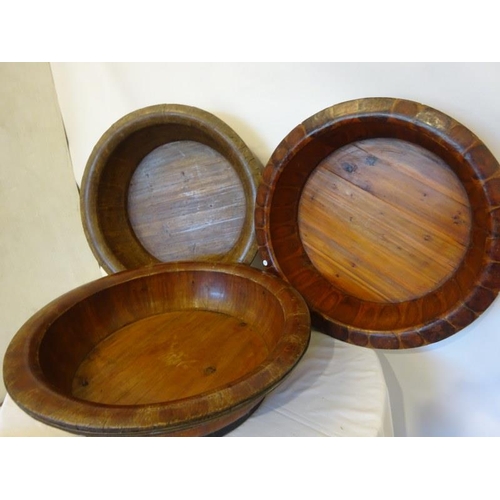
[444, 132]
[248, 169]
[26, 384]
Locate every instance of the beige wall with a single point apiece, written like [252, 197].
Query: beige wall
[42, 246]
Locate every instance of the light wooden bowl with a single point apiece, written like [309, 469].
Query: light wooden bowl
[169, 183]
[181, 349]
[385, 215]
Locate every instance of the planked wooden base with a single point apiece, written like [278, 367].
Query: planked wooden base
[169, 356]
[186, 202]
[384, 220]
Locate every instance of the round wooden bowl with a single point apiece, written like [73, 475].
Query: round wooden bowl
[385, 215]
[169, 183]
[184, 349]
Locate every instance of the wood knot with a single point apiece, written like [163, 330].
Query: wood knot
[349, 167]
[209, 370]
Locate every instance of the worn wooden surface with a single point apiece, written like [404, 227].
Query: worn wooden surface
[167, 183]
[386, 153]
[384, 220]
[178, 349]
[186, 202]
[194, 351]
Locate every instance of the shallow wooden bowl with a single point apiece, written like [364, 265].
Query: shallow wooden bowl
[169, 183]
[179, 349]
[385, 215]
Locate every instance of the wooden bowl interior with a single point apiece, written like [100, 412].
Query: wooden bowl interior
[385, 219]
[172, 192]
[326, 164]
[186, 202]
[167, 189]
[161, 337]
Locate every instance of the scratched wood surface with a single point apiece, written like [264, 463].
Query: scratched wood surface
[177, 349]
[178, 354]
[186, 202]
[384, 220]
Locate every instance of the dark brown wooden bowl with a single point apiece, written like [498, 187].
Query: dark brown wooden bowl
[385, 215]
[182, 349]
[169, 183]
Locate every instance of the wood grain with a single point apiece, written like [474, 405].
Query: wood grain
[176, 349]
[186, 202]
[137, 211]
[169, 356]
[384, 214]
[384, 220]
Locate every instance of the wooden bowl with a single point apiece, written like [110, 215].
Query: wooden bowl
[169, 183]
[182, 349]
[384, 214]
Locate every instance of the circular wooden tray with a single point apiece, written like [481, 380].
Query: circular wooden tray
[385, 215]
[168, 183]
[178, 349]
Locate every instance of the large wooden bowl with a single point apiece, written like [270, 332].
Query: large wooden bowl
[169, 183]
[385, 215]
[181, 349]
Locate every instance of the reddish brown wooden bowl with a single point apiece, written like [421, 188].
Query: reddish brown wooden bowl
[182, 349]
[169, 183]
[385, 215]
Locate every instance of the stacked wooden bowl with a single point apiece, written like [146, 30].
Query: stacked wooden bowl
[379, 217]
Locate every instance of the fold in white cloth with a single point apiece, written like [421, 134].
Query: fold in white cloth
[337, 389]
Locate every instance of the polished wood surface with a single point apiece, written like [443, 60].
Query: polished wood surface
[385, 215]
[194, 351]
[177, 349]
[167, 183]
[384, 208]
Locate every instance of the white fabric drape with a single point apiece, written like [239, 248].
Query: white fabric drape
[336, 390]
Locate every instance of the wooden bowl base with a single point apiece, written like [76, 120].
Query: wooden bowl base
[231, 427]
[384, 220]
[186, 202]
[167, 357]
